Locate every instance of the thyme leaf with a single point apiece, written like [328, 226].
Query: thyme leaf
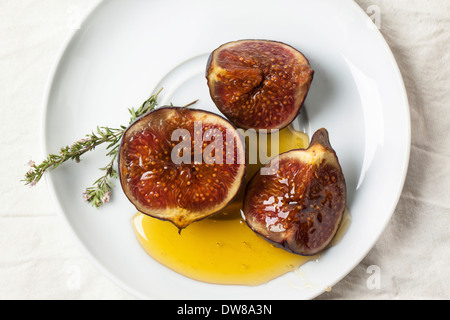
[100, 191]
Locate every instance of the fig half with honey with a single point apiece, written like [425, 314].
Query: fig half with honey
[180, 164]
[258, 84]
[297, 200]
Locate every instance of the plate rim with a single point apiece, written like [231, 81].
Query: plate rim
[44, 152]
[93, 259]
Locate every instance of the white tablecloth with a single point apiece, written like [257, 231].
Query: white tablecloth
[411, 260]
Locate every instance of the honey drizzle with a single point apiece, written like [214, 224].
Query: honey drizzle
[222, 249]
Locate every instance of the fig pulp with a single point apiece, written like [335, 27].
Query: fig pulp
[258, 84]
[299, 203]
[181, 164]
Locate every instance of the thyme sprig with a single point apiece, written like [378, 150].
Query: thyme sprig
[100, 192]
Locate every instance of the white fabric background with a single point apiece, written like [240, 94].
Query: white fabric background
[38, 260]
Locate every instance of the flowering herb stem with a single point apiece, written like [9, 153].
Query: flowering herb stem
[100, 192]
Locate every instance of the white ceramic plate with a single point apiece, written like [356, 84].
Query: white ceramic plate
[124, 51]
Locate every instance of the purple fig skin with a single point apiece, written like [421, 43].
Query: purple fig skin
[258, 84]
[300, 206]
[175, 179]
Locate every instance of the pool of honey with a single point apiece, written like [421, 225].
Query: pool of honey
[221, 249]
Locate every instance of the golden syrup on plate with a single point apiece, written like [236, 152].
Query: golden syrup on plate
[288, 139]
[222, 249]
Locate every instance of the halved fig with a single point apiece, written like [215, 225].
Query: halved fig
[258, 84]
[299, 203]
[180, 164]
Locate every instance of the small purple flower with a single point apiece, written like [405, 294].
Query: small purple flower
[86, 195]
[106, 197]
[30, 163]
[79, 142]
